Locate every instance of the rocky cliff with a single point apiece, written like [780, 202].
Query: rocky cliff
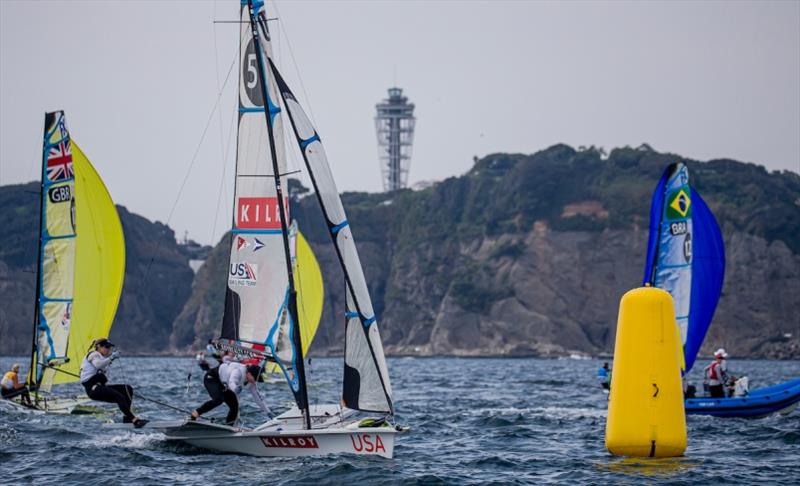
[529, 255]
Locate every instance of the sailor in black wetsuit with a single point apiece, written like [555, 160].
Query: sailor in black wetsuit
[216, 390]
[94, 380]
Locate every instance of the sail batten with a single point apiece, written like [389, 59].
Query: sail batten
[685, 256]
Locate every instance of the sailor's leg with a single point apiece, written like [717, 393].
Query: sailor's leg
[26, 397]
[124, 390]
[232, 401]
[103, 393]
[214, 389]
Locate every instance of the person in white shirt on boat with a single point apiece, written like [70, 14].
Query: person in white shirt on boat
[717, 374]
[225, 382]
[94, 380]
[215, 388]
[11, 386]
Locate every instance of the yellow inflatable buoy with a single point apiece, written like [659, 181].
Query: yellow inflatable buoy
[645, 409]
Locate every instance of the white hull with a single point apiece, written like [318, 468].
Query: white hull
[284, 436]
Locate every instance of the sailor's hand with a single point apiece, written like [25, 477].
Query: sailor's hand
[114, 355]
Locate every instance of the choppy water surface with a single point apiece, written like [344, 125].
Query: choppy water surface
[502, 421]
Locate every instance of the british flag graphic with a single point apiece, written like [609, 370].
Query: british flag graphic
[59, 161]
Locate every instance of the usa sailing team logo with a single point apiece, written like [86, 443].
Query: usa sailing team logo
[243, 274]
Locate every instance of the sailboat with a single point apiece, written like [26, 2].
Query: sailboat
[261, 318]
[686, 257]
[80, 269]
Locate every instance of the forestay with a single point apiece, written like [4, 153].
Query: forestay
[366, 378]
[685, 256]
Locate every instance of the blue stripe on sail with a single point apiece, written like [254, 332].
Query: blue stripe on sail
[48, 145]
[48, 182]
[351, 314]
[294, 383]
[304, 143]
[62, 237]
[256, 231]
[251, 109]
[44, 327]
[369, 321]
[339, 227]
[47, 299]
[677, 318]
[273, 110]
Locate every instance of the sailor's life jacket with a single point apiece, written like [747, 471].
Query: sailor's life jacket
[715, 373]
[92, 375]
[9, 379]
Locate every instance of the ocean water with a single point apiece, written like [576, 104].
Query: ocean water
[474, 421]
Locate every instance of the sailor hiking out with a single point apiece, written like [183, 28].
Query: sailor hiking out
[94, 380]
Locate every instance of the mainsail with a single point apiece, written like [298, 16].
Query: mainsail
[685, 256]
[81, 259]
[260, 306]
[366, 377]
[261, 302]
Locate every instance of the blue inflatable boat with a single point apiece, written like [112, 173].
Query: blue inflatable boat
[780, 398]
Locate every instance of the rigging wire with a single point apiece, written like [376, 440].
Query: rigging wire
[125, 378]
[223, 147]
[294, 63]
[222, 193]
[189, 169]
[200, 144]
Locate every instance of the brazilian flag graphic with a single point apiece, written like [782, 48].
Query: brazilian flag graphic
[679, 205]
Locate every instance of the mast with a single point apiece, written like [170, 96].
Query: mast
[268, 112]
[33, 371]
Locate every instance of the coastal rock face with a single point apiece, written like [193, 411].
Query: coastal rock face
[524, 255]
[157, 282]
[530, 255]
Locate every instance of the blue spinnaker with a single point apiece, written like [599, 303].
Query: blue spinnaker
[685, 256]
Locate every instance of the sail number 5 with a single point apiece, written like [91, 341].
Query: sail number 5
[252, 69]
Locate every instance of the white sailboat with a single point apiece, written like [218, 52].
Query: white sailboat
[261, 315]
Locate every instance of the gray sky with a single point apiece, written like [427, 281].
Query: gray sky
[139, 79]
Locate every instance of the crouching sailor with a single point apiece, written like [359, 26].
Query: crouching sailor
[215, 388]
[226, 384]
[11, 387]
[94, 380]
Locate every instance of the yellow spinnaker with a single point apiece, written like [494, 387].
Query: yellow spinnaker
[310, 294]
[99, 265]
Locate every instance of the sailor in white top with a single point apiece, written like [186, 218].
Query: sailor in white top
[95, 382]
[236, 375]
